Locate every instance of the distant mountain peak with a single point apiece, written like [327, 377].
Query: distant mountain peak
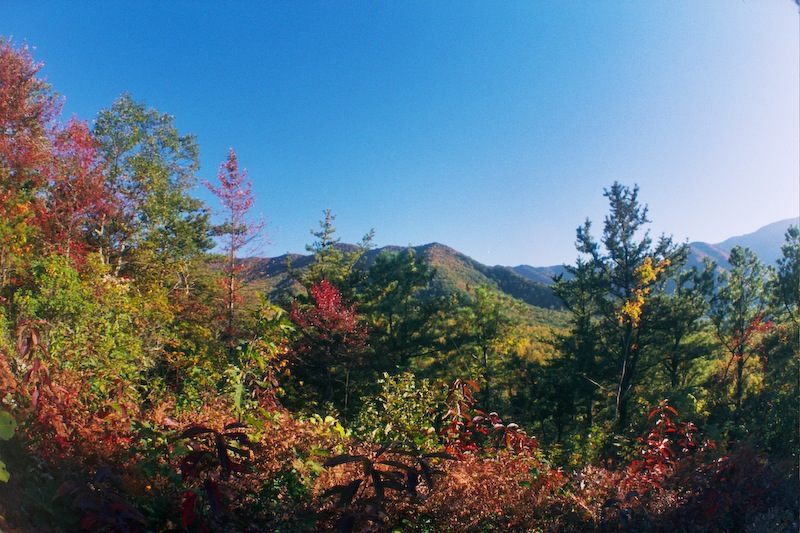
[776, 228]
[766, 242]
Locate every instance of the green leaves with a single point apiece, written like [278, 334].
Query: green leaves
[151, 170]
[7, 425]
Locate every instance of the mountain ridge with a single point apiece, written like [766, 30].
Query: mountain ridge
[456, 271]
[766, 242]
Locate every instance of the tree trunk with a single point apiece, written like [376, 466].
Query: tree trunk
[629, 355]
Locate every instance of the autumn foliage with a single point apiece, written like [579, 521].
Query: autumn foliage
[144, 387]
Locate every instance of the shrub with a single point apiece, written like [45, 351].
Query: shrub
[405, 410]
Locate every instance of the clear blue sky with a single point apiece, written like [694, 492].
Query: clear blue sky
[491, 127]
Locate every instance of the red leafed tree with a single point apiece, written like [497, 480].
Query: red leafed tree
[77, 199]
[332, 342]
[238, 230]
[28, 110]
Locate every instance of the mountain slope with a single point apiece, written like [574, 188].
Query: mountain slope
[458, 272]
[543, 275]
[454, 272]
[765, 242]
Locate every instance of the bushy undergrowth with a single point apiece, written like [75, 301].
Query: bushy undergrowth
[74, 468]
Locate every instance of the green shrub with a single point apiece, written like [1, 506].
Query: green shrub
[405, 410]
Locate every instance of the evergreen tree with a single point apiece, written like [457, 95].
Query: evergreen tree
[392, 300]
[582, 370]
[623, 273]
[786, 285]
[333, 261]
[775, 411]
[738, 313]
[475, 331]
[678, 339]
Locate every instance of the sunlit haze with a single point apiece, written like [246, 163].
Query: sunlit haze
[491, 127]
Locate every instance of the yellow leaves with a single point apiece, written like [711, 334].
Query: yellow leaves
[646, 274]
[632, 310]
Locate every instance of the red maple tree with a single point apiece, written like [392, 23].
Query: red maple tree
[28, 110]
[77, 199]
[332, 338]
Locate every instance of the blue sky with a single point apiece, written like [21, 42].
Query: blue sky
[492, 127]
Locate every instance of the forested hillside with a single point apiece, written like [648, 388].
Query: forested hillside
[153, 380]
[452, 272]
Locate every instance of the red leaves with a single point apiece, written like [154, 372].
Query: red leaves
[661, 409]
[51, 402]
[29, 337]
[457, 421]
[51, 177]
[507, 436]
[235, 192]
[330, 344]
[77, 197]
[28, 109]
[329, 316]
[666, 434]
[236, 195]
[330, 328]
[667, 444]
[459, 427]
[188, 508]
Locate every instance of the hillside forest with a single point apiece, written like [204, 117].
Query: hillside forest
[148, 385]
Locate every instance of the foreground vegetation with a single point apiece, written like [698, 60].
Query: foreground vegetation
[141, 392]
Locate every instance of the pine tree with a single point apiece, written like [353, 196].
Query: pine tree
[738, 312]
[617, 282]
